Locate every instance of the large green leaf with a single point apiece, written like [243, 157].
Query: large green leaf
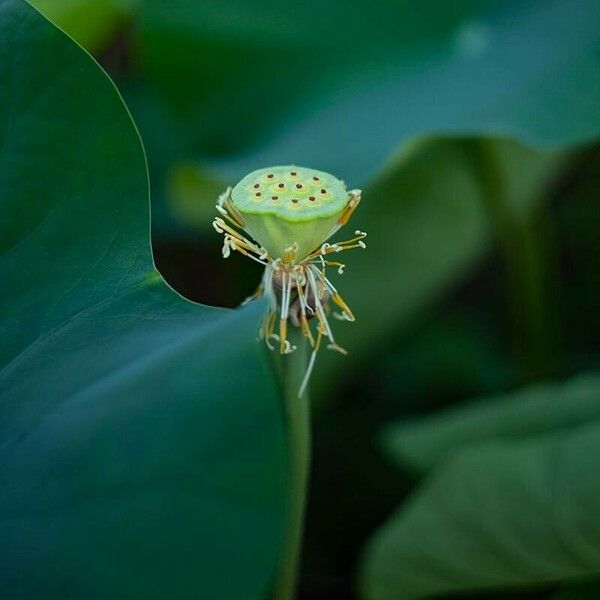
[141, 445]
[546, 407]
[500, 512]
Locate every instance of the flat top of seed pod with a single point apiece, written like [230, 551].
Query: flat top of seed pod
[290, 193]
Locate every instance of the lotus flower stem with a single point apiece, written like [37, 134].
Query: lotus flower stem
[297, 413]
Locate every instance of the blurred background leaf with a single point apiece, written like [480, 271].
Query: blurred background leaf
[513, 503]
[427, 232]
[531, 411]
[583, 591]
[341, 85]
[188, 185]
[141, 450]
[91, 23]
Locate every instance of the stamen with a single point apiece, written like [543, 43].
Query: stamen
[335, 296]
[332, 263]
[286, 289]
[269, 328]
[320, 312]
[345, 308]
[357, 237]
[224, 196]
[226, 251]
[337, 348]
[234, 214]
[241, 250]
[353, 203]
[288, 348]
[311, 364]
[273, 336]
[282, 335]
[238, 242]
[327, 248]
[289, 254]
[303, 299]
[305, 327]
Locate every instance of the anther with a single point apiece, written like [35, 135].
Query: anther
[274, 197]
[258, 194]
[299, 186]
[312, 198]
[295, 200]
[323, 191]
[256, 186]
[281, 185]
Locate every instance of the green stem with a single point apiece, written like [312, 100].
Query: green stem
[297, 412]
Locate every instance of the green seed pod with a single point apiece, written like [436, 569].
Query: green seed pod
[287, 206]
[291, 212]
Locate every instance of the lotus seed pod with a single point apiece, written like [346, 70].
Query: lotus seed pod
[289, 206]
[291, 212]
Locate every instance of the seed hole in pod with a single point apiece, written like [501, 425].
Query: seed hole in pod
[274, 197]
[312, 198]
[299, 186]
[256, 186]
[270, 175]
[258, 194]
[323, 191]
[293, 173]
[295, 200]
[281, 185]
[315, 178]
